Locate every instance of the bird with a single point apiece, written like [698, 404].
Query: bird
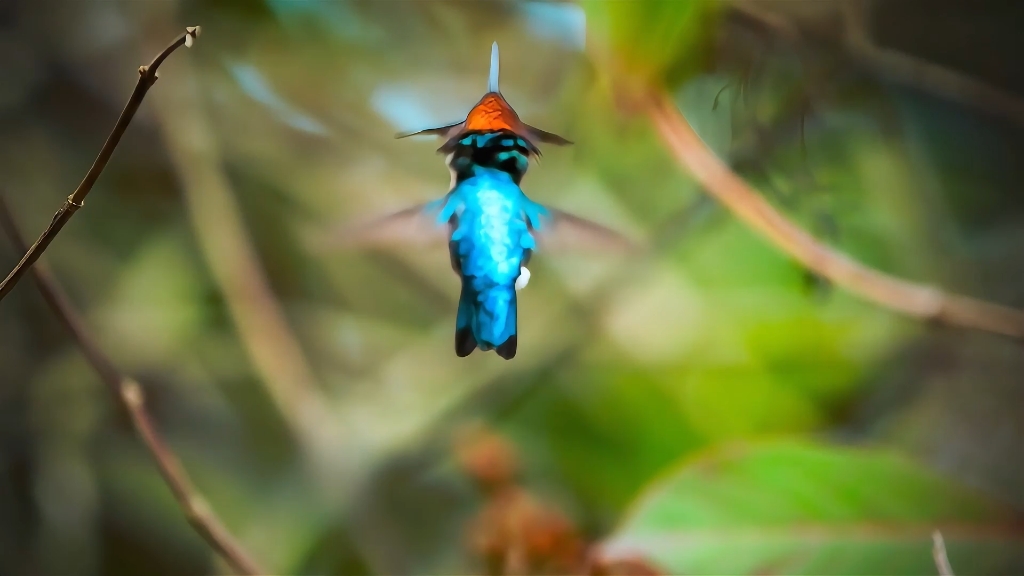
[491, 226]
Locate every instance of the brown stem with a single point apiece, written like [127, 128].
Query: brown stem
[147, 77]
[860, 50]
[921, 74]
[937, 80]
[915, 300]
[131, 397]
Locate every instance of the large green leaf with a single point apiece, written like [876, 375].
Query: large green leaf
[799, 508]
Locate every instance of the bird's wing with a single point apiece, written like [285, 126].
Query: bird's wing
[560, 231]
[547, 137]
[439, 131]
[415, 225]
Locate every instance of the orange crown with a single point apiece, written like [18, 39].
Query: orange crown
[492, 113]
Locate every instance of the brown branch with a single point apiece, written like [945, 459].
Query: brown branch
[915, 300]
[921, 74]
[939, 554]
[863, 52]
[130, 395]
[938, 80]
[147, 77]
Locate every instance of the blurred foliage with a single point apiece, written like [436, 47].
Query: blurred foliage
[625, 369]
[656, 39]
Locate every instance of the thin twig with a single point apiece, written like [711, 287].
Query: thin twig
[129, 394]
[938, 80]
[915, 300]
[863, 52]
[147, 77]
[939, 554]
[921, 74]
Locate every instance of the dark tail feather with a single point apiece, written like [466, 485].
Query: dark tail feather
[465, 343]
[507, 349]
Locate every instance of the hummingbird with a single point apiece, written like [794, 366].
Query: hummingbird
[491, 226]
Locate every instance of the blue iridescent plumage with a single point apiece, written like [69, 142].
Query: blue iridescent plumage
[491, 239]
[492, 227]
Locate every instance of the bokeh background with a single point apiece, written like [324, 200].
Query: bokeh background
[710, 407]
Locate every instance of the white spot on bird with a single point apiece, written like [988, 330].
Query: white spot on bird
[523, 280]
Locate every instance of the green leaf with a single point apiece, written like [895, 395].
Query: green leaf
[800, 508]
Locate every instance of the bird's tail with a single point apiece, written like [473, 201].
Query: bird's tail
[465, 341]
[487, 322]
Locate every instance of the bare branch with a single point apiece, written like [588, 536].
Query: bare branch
[147, 77]
[863, 52]
[939, 553]
[129, 394]
[937, 80]
[915, 300]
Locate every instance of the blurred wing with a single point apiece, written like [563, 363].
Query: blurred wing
[439, 131]
[416, 225]
[560, 231]
[547, 137]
